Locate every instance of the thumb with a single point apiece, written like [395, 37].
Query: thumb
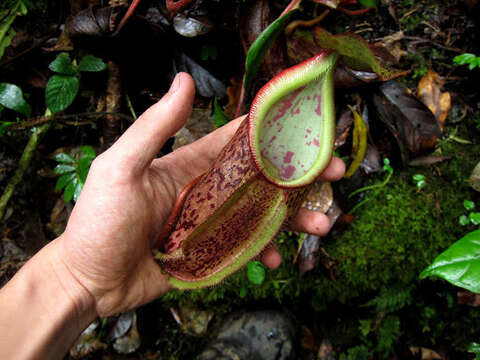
[139, 145]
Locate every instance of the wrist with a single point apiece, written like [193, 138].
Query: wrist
[76, 297]
[44, 309]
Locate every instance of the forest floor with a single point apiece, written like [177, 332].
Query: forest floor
[354, 294]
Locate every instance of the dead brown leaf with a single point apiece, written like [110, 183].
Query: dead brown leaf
[474, 179]
[411, 123]
[426, 354]
[233, 93]
[308, 341]
[429, 91]
[468, 298]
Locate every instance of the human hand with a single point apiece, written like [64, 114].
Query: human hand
[128, 195]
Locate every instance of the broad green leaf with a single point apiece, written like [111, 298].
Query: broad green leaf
[256, 272]
[468, 205]
[260, 46]
[63, 65]
[88, 151]
[219, 117]
[60, 92]
[459, 264]
[11, 97]
[70, 190]
[64, 180]
[92, 64]
[369, 3]
[63, 169]
[65, 158]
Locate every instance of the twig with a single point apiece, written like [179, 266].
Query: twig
[305, 23]
[419, 40]
[353, 12]
[22, 165]
[47, 119]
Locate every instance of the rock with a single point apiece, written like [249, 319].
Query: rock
[259, 335]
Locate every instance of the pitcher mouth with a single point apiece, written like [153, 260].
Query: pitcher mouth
[292, 123]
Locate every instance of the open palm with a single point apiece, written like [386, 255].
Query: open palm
[128, 196]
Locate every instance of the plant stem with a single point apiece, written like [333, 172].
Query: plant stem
[371, 187]
[23, 164]
[130, 106]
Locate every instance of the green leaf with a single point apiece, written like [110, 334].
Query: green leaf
[60, 92]
[11, 97]
[219, 117]
[3, 126]
[468, 205]
[78, 190]
[63, 65]
[463, 59]
[83, 167]
[475, 348]
[369, 3]
[64, 180]
[419, 180]
[365, 327]
[8, 14]
[463, 220]
[459, 264]
[92, 64]
[242, 293]
[65, 158]
[386, 166]
[63, 169]
[6, 41]
[356, 53]
[260, 46]
[70, 190]
[88, 152]
[474, 218]
[256, 272]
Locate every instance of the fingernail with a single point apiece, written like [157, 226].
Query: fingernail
[175, 84]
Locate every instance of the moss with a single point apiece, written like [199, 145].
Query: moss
[395, 235]
[400, 231]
